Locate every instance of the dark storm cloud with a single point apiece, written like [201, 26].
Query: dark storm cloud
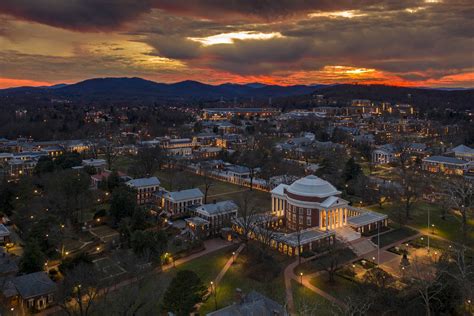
[175, 47]
[436, 36]
[106, 15]
[87, 15]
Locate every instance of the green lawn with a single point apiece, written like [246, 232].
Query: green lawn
[321, 263]
[340, 289]
[309, 303]
[394, 235]
[219, 191]
[236, 278]
[450, 228]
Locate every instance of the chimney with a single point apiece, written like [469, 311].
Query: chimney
[238, 296]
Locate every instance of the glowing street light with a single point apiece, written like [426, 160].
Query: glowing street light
[301, 278]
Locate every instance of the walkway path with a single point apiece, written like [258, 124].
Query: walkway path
[290, 275]
[211, 246]
[221, 274]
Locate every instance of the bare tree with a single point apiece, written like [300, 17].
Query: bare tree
[425, 280]
[80, 290]
[246, 217]
[333, 255]
[411, 187]
[110, 154]
[460, 194]
[208, 182]
[354, 305]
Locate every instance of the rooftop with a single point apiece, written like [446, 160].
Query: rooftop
[365, 218]
[252, 304]
[34, 284]
[217, 208]
[144, 182]
[444, 159]
[312, 186]
[188, 194]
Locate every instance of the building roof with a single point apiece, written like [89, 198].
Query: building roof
[217, 208]
[305, 236]
[94, 162]
[444, 159]
[252, 304]
[34, 284]
[188, 194]
[365, 218]
[197, 221]
[4, 231]
[312, 186]
[143, 182]
[238, 169]
[332, 201]
[279, 190]
[463, 149]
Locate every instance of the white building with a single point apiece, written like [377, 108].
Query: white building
[463, 152]
[218, 214]
[384, 154]
[179, 202]
[145, 188]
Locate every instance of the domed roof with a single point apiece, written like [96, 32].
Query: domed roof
[312, 186]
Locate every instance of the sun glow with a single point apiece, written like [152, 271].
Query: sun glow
[337, 14]
[229, 38]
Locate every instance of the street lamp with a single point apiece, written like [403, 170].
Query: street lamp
[233, 256]
[213, 291]
[301, 278]
[432, 228]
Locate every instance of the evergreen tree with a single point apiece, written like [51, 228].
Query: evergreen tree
[33, 258]
[184, 292]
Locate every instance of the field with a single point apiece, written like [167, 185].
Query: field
[448, 228]
[219, 191]
[309, 303]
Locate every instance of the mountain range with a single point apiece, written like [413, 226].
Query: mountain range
[141, 91]
[100, 88]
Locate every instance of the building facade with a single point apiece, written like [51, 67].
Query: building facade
[313, 215]
[144, 188]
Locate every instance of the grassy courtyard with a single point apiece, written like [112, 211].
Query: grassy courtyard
[236, 277]
[449, 228]
[309, 303]
[219, 191]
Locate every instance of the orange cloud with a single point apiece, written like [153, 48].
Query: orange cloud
[11, 83]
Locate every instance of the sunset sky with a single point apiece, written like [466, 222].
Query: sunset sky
[396, 42]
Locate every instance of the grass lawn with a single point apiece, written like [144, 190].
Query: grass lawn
[394, 235]
[122, 163]
[450, 228]
[309, 303]
[340, 289]
[236, 277]
[219, 191]
[321, 263]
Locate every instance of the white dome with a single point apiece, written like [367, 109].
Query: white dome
[312, 186]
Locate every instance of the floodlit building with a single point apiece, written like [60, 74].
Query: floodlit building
[384, 154]
[446, 165]
[217, 215]
[463, 152]
[313, 214]
[178, 202]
